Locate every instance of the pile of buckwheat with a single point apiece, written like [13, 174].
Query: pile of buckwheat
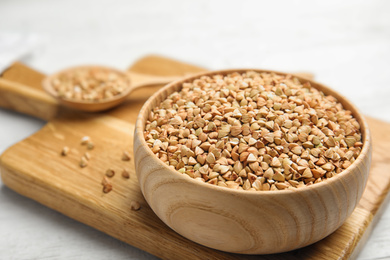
[253, 131]
[89, 84]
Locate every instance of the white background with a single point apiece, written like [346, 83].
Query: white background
[346, 44]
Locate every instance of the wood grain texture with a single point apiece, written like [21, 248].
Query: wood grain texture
[247, 222]
[35, 169]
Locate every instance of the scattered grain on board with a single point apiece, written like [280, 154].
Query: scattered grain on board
[65, 151]
[90, 145]
[83, 162]
[253, 131]
[125, 174]
[107, 186]
[110, 172]
[85, 140]
[126, 156]
[135, 205]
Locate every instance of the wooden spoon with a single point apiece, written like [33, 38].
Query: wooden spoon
[107, 103]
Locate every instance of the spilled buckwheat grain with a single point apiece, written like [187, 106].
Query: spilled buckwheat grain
[253, 131]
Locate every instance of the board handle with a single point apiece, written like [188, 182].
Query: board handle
[21, 91]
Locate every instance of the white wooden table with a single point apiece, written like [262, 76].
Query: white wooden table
[346, 44]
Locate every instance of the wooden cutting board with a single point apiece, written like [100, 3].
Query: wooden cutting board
[35, 169]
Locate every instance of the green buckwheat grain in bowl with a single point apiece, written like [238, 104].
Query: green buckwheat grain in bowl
[253, 131]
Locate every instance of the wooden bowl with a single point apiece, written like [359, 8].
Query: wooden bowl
[239, 221]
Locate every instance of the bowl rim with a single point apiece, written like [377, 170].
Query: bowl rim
[365, 131]
[48, 86]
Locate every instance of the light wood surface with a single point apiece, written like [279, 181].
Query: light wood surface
[60, 184]
[241, 221]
